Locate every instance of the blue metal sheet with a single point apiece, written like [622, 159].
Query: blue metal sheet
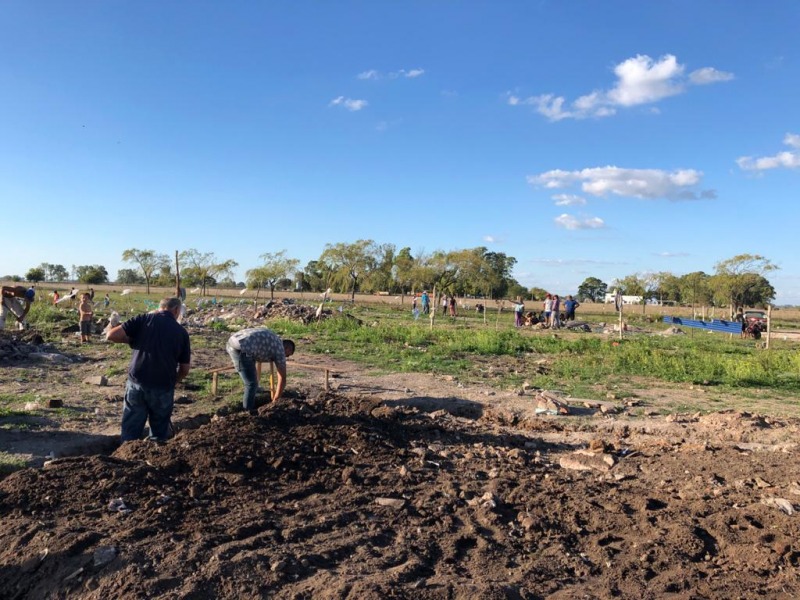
[715, 325]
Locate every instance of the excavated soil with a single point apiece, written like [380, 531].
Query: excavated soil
[333, 496]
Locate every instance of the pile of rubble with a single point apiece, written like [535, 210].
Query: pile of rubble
[20, 345]
[253, 315]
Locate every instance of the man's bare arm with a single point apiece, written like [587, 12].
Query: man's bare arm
[21, 318]
[117, 335]
[281, 384]
[183, 371]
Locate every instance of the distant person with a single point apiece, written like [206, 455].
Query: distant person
[249, 346]
[106, 301]
[570, 304]
[548, 308]
[414, 309]
[739, 318]
[55, 297]
[519, 308]
[91, 294]
[17, 301]
[555, 307]
[453, 306]
[161, 358]
[85, 314]
[426, 303]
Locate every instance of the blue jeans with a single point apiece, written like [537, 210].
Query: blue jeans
[143, 404]
[245, 365]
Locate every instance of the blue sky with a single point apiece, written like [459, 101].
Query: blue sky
[583, 138]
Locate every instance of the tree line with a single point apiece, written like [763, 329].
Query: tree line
[368, 267]
[737, 281]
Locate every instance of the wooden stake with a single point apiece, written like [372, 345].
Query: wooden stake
[177, 277]
[433, 303]
[769, 324]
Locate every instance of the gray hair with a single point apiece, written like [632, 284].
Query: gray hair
[170, 304]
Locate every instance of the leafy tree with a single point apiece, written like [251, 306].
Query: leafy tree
[667, 287]
[592, 289]
[442, 270]
[639, 284]
[740, 281]
[129, 277]
[54, 272]
[148, 262]
[204, 268]
[93, 274]
[537, 293]
[695, 289]
[515, 289]
[35, 274]
[349, 263]
[496, 268]
[471, 273]
[380, 278]
[194, 277]
[275, 266]
[651, 283]
[300, 281]
[316, 276]
[165, 277]
[403, 270]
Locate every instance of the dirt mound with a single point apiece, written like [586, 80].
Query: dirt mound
[252, 315]
[335, 497]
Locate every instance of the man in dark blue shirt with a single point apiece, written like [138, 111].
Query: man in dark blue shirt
[570, 305]
[161, 358]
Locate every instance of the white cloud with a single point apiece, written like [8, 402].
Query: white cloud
[489, 239]
[571, 222]
[560, 262]
[632, 183]
[376, 75]
[413, 73]
[671, 254]
[569, 200]
[349, 103]
[709, 75]
[792, 139]
[788, 159]
[371, 74]
[640, 80]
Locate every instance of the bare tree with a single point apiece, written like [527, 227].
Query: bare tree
[148, 262]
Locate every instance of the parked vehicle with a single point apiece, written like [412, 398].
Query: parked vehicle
[759, 316]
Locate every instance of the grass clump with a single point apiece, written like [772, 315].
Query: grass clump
[10, 463]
